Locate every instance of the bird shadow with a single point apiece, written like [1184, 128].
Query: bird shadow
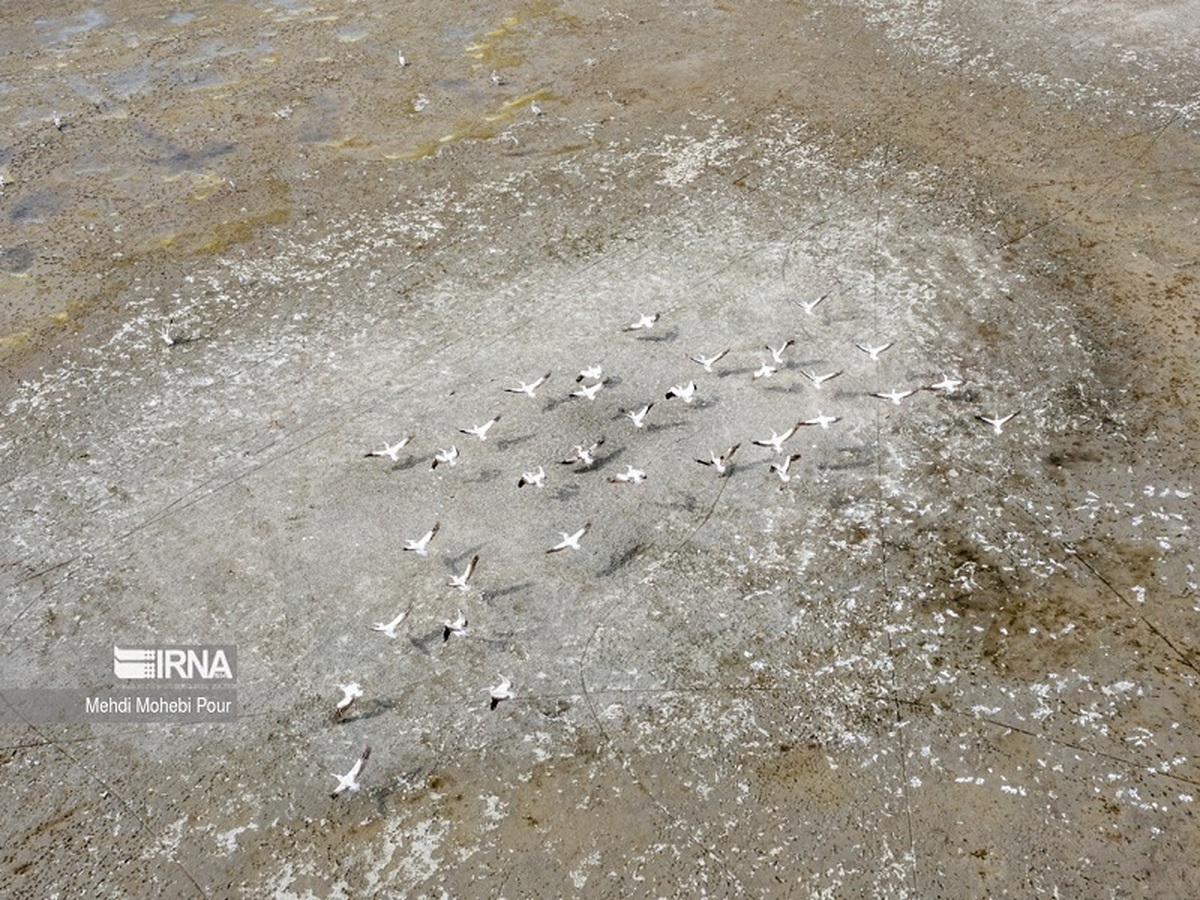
[455, 564]
[515, 441]
[602, 462]
[484, 476]
[861, 457]
[705, 403]
[372, 710]
[490, 597]
[409, 463]
[663, 337]
[432, 638]
[566, 492]
[656, 427]
[620, 560]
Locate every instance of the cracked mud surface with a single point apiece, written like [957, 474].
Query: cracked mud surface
[939, 662]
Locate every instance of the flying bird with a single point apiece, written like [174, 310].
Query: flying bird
[584, 455]
[570, 541]
[810, 306]
[457, 626]
[638, 417]
[537, 479]
[421, 544]
[589, 391]
[524, 387]
[646, 321]
[775, 442]
[946, 385]
[997, 423]
[480, 431]
[781, 469]
[591, 373]
[350, 693]
[685, 392]
[449, 457]
[389, 628]
[720, 463]
[709, 361]
[392, 451]
[874, 352]
[629, 476]
[501, 691]
[777, 352]
[460, 581]
[766, 370]
[349, 781]
[894, 396]
[822, 420]
[819, 380]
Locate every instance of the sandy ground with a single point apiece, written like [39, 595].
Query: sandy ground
[939, 662]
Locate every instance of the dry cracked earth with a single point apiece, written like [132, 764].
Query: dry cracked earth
[940, 661]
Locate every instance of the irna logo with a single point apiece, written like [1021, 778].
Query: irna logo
[196, 662]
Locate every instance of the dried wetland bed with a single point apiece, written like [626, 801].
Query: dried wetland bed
[943, 660]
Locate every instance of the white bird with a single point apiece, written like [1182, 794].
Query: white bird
[460, 581]
[894, 396]
[781, 469]
[766, 370]
[449, 457]
[819, 380]
[480, 431]
[165, 334]
[537, 479]
[720, 463]
[809, 307]
[874, 352]
[585, 455]
[646, 321]
[501, 691]
[629, 476]
[400, 58]
[591, 372]
[350, 693]
[496, 79]
[997, 423]
[570, 541]
[709, 361]
[389, 628]
[776, 440]
[528, 387]
[420, 545]
[822, 420]
[349, 781]
[535, 108]
[947, 385]
[392, 451]
[457, 626]
[588, 392]
[777, 352]
[684, 392]
[638, 417]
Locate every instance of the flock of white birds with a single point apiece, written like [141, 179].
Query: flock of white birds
[590, 382]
